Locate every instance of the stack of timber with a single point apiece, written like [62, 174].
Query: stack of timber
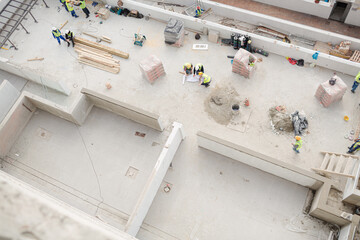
[97, 58]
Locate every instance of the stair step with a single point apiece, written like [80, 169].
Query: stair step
[332, 163]
[349, 166]
[325, 161]
[339, 164]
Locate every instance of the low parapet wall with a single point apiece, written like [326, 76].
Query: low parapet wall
[123, 109]
[8, 96]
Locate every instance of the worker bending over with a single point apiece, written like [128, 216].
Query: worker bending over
[188, 68]
[356, 146]
[198, 12]
[298, 144]
[63, 3]
[71, 9]
[356, 83]
[198, 68]
[57, 34]
[82, 5]
[69, 36]
[204, 79]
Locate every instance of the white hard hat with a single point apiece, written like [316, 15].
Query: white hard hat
[53, 28]
[67, 31]
[197, 68]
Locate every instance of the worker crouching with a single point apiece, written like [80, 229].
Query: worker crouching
[204, 79]
[354, 147]
[188, 68]
[198, 68]
[69, 36]
[298, 144]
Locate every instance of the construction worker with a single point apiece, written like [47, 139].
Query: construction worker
[356, 83]
[355, 146]
[63, 3]
[69, 36]
[198, 12]
[82, 5]
[204, 79]
[198, 68]
[188, 68]
[298, 144]
[71, 9]
[57, 34]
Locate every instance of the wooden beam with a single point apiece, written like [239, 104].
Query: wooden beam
[335, 173]
[98, 37]
[338, 154]
[110, 50]
[100, 66]
[36, 59]
[63, 25]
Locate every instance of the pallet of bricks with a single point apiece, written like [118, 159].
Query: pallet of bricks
[174, 33]
[152, 68]
[328, 94]
[241, 63]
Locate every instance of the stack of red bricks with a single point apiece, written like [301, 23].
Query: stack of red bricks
[241, 63]
[152, 68]
[328, 94]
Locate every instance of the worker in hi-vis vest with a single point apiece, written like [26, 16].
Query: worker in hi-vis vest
[71, 9]
[198, 68]
[63, 3]
[356, 83]
[298, 144]
[188, 68]
[82, 5]
[204, 79]
[57, 34]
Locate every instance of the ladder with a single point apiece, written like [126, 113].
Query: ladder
[338, 164]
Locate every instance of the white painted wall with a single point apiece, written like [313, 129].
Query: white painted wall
[353, 16]
[8, 96]
[321, 9]
[154, 181]
[52, 82]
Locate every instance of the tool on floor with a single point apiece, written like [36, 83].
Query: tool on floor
[139, 39]
[36, 59]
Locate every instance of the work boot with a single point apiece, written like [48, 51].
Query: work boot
[352, 91]
[87, 16]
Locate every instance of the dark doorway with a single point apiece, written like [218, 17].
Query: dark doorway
[340, 11]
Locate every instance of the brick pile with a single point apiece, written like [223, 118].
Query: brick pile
[241, 63]
[328, 94]
[152, 68]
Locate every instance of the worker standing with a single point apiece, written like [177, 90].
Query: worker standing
[298, 144]
[63, 3]
[188, 68]
[57, 34]
[204, 79]
[71, 9]
[82, 5]
[198, 68]
[355, 146]
[69, 36]
[356, 83]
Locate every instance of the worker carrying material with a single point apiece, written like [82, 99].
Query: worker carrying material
[355, 146]
[69, 36]
[356, 83]
[64, 5]
[198, 68]
[188, 68]
[82, 5]
[57, 34]
[71, 9]
[198, 12]
[204, 79]
[298, 144]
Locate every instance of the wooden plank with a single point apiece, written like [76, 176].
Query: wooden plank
[325, 161]
[92, 49]
[36, 59]
[110, 50]
[334, 173]
[333, 160]
[97, 37]
[80, 50]
[96, 60]
[339, 164]
[338, 154]
[349, 166]
[63, 25]
[100, 66]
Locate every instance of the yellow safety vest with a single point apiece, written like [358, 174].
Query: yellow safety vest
[298, 144]
[56, 33]
[206, 78]
[82, 5]
[357, 78]
[69, 7]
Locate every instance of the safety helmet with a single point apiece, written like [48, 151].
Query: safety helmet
[298, 138]
[67, 1]
[198, 7]
[201, 73]
[67, 31]
[188, 65]
[196, 68]
[54, 28]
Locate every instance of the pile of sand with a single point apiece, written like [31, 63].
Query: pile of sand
[281, 120]
[219, 104]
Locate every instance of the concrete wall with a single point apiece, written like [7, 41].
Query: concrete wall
[154, 181]
[271, 45]
[32, 75]
[28, 213]
[260, 161]
[353, 16]
[123, 109]
[351, 193]
[14, 123]
[8, 96]
[321, 9]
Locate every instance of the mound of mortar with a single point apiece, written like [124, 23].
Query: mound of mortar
[281, 120]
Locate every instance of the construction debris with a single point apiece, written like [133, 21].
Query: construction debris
[108, 86]
[101, 47]
[274, 33]
[104, 13]
[328, 94]
[98, 38]
[280, 119]
[244, 63]
[97, 58]
[174, 32]
[36, 59]
[152, 68]
[300, 123]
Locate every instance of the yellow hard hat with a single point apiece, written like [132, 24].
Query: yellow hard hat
[188, 65]
[298, 138]
[200, 73]
[67, 1]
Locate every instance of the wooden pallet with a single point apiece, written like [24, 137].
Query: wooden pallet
[339, 54]
[338, 164]
[356, 56]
